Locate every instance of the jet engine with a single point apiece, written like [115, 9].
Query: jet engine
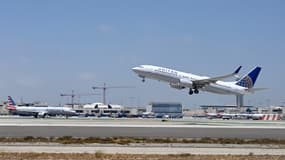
[186, 82]
[176, 86]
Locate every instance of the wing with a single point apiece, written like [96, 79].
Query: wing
[203, 82]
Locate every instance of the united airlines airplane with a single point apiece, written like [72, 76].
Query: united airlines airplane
[182, 80]
[38, 111]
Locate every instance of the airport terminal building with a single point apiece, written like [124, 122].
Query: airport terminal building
[99, 110]
[169, 110]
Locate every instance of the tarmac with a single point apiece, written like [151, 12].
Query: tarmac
[151, 128]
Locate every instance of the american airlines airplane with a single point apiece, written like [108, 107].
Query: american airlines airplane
[182, 80]
[38, 111]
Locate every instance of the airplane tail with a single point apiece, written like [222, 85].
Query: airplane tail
[249, 80]
[11, 104]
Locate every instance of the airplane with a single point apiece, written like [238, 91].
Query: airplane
[253, 116]
[38, 111]
[181, 80]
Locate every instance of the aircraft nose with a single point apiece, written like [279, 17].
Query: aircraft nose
[136, 69]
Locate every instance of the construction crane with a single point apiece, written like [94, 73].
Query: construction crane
[104, 88]
[73, 95]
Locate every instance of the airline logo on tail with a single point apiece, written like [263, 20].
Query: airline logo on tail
[248, 80]
[11, 104]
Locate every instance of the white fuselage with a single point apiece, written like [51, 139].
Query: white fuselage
[174, 77]
[41, 110]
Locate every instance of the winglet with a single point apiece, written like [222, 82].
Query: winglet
[237, 70]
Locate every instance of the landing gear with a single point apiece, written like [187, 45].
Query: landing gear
[190, 91]
[196, 91]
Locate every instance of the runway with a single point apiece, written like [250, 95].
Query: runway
[21, 127]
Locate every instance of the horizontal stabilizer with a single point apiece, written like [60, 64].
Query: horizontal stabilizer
[252, 90]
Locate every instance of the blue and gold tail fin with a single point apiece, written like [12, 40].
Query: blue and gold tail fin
[249, 80]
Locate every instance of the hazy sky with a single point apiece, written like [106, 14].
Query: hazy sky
[51, 47]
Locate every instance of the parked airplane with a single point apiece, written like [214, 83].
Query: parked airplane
[254, 116]
[38, 111]
[182, 80]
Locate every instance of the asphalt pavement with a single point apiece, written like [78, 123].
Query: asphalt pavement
[140, 128]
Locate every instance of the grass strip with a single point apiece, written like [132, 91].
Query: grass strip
[128, 140]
